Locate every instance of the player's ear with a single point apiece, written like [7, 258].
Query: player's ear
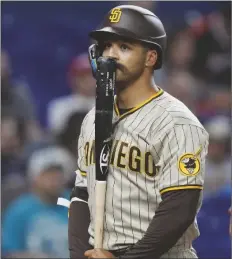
[151, 58]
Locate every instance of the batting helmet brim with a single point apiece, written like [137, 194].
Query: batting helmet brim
[107, 32]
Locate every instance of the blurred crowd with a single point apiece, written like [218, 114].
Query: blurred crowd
[38, 163]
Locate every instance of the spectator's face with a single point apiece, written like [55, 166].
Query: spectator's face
[217, 150]
[221, 101]
[5, 75]
[182, 86]
[84, 83]
[5, 65]
[10, 141]
[51, 182]
[182, 50]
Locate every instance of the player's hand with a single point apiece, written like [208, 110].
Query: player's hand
[93, 56]
[98, 253]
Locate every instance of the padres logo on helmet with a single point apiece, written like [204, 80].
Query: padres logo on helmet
[115, 15]
[189, 164]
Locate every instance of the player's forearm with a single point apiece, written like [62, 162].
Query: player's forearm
[79, 219]
[174, 215]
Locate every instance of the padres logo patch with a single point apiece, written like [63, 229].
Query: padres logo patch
[115, 15]
[189, 164]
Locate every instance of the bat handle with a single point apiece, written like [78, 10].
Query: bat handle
[99, 214]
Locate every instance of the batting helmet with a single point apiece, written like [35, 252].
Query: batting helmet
[136, 23]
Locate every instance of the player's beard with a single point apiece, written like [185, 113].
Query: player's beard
[125, 77]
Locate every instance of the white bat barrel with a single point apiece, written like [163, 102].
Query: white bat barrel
[100, 193]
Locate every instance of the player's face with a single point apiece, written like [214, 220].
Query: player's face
[130, 57]
[51, 182]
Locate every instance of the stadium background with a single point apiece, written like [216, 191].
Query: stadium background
[47, 88]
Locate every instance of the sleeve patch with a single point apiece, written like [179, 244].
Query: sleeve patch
[189, 164]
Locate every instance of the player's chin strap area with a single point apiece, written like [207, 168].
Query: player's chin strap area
[66, 203]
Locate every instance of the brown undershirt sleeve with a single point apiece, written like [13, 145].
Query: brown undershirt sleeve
[174, 215]
[79, 219]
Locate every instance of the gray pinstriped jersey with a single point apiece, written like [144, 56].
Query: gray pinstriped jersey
[158, 146]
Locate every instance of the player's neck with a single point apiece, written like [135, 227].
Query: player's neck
[136, 93]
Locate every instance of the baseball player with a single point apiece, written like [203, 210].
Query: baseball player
[157, 160]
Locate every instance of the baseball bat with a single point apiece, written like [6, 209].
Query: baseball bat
[103, 138]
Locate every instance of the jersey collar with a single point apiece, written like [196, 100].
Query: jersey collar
[154, 96]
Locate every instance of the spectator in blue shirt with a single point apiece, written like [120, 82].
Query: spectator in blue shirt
[34, 223]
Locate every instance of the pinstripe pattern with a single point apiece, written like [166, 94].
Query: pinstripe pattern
[157, 133]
